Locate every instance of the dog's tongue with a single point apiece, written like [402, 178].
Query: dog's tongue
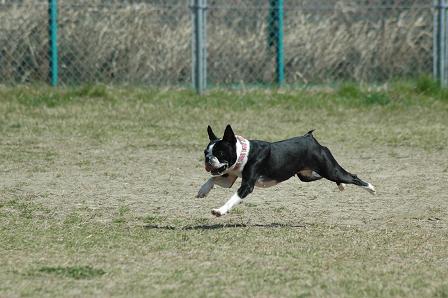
[208, 167]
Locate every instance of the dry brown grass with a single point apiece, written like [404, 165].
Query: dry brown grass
[151, 43]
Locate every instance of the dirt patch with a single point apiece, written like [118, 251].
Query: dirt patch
[164, 182]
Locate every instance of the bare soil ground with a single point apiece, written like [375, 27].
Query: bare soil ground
[410, 187]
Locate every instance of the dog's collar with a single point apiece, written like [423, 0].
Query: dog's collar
[243, 147]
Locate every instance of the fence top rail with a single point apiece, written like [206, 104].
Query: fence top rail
[327, 7]
[236, 6]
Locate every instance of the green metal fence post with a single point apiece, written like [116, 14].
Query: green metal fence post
[435, 41]
[275, 38]
[199, 65]
[280, 58]
[53, 40]
[440, 54]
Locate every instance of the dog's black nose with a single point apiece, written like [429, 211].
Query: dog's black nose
[207, 159]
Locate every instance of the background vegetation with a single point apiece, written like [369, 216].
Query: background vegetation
[149, 42]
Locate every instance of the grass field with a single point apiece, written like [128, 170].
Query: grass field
[98, 185]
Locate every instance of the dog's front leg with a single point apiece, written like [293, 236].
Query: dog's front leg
[247, 186]
[205, 188]
[225, 181]
[234, 200]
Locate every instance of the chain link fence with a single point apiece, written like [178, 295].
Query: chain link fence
[370, 41]
[150, 42]
[23, 42]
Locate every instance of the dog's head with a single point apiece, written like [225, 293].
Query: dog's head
[220, 154]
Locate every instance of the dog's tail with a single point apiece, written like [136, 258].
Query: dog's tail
[310, 135]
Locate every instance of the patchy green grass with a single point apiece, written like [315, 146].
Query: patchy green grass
[75, 272]
[97, 189]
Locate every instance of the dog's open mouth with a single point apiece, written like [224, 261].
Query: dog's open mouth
[215, 171]
[218, 171]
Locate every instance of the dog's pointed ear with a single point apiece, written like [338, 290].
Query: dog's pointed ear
[229, 136]
[211, 135]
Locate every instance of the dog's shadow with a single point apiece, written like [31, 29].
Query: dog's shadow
[222, 226]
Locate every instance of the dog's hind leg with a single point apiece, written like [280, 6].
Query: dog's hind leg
[308, 175]
[331, 170]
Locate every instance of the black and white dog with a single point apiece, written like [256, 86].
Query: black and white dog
[265, 164]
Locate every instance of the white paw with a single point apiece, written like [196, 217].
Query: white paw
[341, 186]
[218, 212]
[370, 188]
